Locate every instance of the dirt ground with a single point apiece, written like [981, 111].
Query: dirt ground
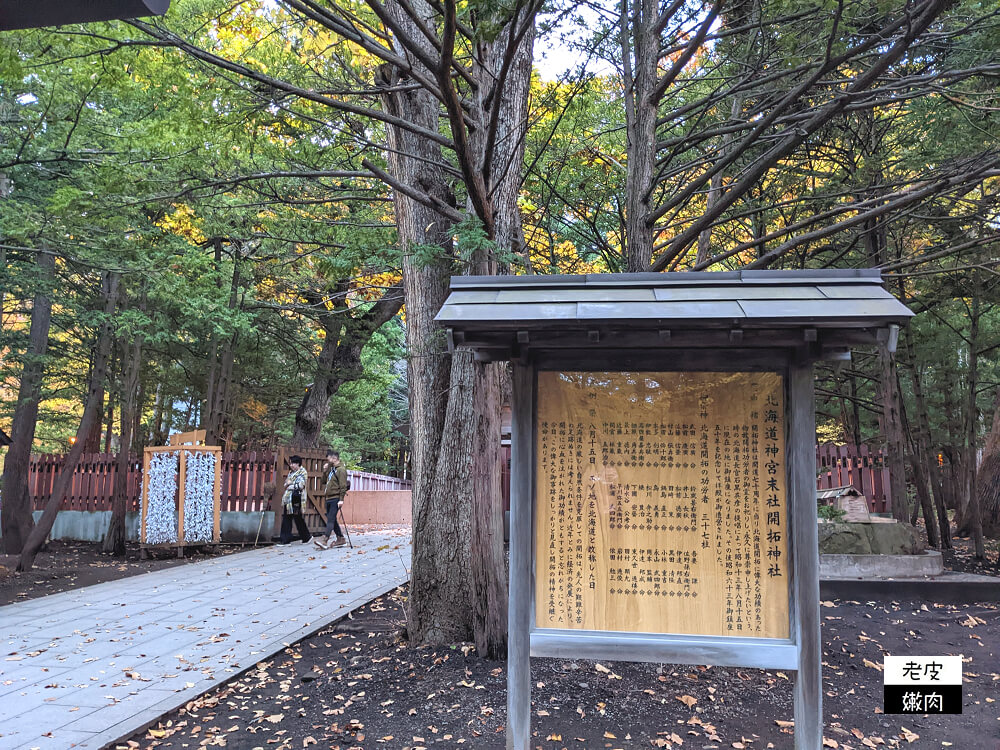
[961, 558]
[70, 565]
[358, 685]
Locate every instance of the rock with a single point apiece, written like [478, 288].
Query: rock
[868, 539]
[844, 539]
[894, 539]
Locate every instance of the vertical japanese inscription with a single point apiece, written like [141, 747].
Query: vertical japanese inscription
[661, 504]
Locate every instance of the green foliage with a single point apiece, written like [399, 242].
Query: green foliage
[204, 190]
[360, 423]
[830, 512]
[132, 158]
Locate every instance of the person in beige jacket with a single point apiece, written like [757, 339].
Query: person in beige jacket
[334, 491]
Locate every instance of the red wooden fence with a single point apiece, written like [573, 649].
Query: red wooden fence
[866, 470]
[244, 476]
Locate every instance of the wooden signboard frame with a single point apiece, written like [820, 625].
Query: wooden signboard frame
[735, 321]
[180, 544]
[187, 438]
[799, 653]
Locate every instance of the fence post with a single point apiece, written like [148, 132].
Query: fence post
[217, 532]
[181, 479]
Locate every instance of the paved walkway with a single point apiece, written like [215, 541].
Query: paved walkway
[84, 668]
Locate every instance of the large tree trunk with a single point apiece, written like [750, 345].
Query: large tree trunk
[15, 513]
[988, 480]
[109, 432]
[925, 504]
[640, 49]
[438, 596]
[490, 380]
[91, 415]
[848, 426]
[856, 406]
[925, 464]
[218, 384]
[458, 587]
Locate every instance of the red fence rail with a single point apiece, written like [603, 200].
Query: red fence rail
[244, 478]
[858, 466]
[245, 475]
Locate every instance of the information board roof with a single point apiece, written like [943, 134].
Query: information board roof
[18, 14]
[609, 310]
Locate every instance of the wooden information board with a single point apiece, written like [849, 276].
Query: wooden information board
[661, 503]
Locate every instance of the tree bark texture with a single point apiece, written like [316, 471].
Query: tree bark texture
[115, 538]
[438, 603]
[15, 511]
[506, 78]
[506, 81]
[91, 415]
[973, 520]
[458, 582]
[640, 50]
[918, 455]
[988, 480]
[925, 468]
[218, 386]
[109, 430]
[892, 424]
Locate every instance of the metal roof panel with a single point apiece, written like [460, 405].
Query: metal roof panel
[498, 313]
[736, 293]
[825, 310]
[870, 291]
[618, 311]
[576, 294]
[472, 296]
[856, 274]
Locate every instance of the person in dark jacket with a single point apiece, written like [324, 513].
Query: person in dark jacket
[293, 501]
[335, 475]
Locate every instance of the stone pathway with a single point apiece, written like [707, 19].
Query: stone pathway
[84, 668]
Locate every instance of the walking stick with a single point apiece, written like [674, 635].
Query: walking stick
[259, 527]
[340, 510]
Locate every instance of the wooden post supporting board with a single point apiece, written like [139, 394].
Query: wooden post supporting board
[804, 538]
[520, 602]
